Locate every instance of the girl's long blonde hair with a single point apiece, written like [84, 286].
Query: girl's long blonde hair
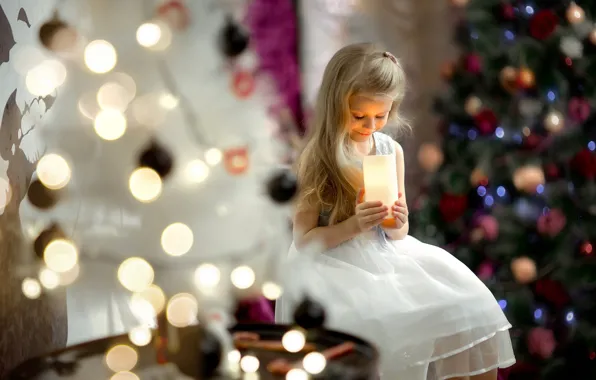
[328, 172]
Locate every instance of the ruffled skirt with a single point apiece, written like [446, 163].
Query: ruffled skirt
[428, 314]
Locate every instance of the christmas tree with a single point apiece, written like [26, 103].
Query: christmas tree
[158, 198]
[512, 191]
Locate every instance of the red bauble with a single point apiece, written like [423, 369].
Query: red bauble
[586, 248]
[552, 171]
[453, 206]
[236, 160]
[507, 12]
[486, 121]
[543, 24]
[553, 291]
[532, 141]
[579, 109]
[584, 163]
[473, 63]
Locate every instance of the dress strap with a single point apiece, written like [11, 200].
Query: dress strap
[384, 143]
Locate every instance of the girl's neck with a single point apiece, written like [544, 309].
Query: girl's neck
[364, 148]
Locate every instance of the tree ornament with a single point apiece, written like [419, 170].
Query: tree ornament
[233, 39]
[57, 36]
[478, 177]
[554, 121]
[525, 78]
[584, 163]
[447, 70]
[430, 157]
[459, 3]
[154, 156]
[575, 14]
[506, 11]
[309, 314]
[551, 223]
[243, 83]
[236, 160]
[541, 342]
[508, 79]
[210, 349]
[51, 233]
[486, 121]
[452, 206]
[543, 24]
[42, 197]
[586, 248]
[473, 105]
[592, 36]
[473, 63]
[175, 14]
[528, 178]
[571, 47]
[579, 109]
[282, 186]
[523, 269]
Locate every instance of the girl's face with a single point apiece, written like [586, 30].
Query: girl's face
[369, 113]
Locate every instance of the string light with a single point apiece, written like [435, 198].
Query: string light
[249, 364]
[121, 358]
[113, 96]
[100, 56]
[168, 101]
[243, 277]
[145, 185]
[314, 363]
[61, 255]
[297, 374]
[177, 239]
[575, 14]
[148, 34]
[44, 79]
[182, 310]
[197, 171]
[140, 336]
[293, 341]
[31, 288]
[213, 156]
[207, 276]
[271, 291]
[53, 171]
[124, 375]
[153, 295]
[110, 124]
[70, 276]
[135, 274]
[49, 279]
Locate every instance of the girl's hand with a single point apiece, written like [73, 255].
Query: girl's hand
[368, 214]
[399, 210]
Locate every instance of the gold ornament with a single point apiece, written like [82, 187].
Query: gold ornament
[575, 14]
[554, 121]
[459, 3]
[508, 79]
[473, 105]
[525, 78]
[57, 36]
[592, 36]
[528, 178]
[430, 157]
[478, 177]
[523, 269]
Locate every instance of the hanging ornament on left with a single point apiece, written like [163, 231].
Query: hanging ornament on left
[57, 36]
[233, 38]
[175, 14]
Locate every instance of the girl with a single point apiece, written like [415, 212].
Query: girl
[430, 316]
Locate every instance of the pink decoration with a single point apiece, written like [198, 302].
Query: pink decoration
[473, 63]
[175, 14]
[272, 24]
[489, 225]
[551, 223]
[485, 271]
[579, 109]
[243, 84]
[541, 342]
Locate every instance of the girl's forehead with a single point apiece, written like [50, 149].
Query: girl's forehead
[369, 102]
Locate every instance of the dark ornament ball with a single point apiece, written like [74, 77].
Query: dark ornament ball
[51, 233]
[42, 197]
[210, 349]
[157, 158]
[282, 186]
[48, 31]
[234, 39]
[309, 314]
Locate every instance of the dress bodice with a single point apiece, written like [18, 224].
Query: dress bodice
[383, 145]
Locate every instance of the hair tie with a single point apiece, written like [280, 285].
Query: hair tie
[390, 56]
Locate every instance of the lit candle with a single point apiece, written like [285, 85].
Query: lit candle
[380, 179]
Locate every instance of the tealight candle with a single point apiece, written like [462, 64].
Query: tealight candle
[380, 180]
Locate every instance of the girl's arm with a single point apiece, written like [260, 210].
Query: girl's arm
[402, 232]
[306, 231]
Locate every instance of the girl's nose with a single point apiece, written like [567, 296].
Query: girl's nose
[370, 124]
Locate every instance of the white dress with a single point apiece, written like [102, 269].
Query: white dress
[428, 314]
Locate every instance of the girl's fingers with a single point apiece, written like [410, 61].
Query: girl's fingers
[374, 217]
[400, 210]
[374, 210]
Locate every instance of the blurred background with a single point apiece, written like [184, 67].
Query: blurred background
[501, 164]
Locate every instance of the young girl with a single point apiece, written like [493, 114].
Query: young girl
[428, 314]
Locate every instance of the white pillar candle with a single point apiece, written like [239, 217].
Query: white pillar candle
[380, 179]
